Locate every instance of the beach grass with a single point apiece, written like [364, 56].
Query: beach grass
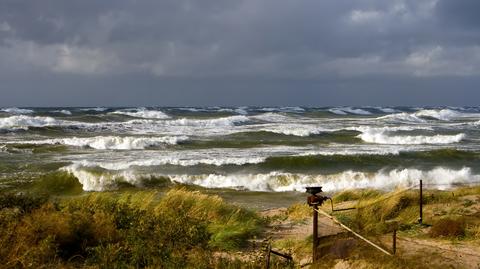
[179, 229]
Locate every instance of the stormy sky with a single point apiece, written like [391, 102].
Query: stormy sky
[239, 52]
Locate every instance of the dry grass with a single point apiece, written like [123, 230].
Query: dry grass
[111, 230]
[448, 227]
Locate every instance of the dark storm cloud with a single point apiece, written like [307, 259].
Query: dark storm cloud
[185, 49]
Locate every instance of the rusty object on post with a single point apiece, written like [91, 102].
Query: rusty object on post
[315, 200]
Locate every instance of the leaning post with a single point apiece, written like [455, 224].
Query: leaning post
[420, 201]
[315, 200]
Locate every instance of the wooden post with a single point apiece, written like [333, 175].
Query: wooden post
[267, 258]
[394, 241]
[420, 219]
[315, 233]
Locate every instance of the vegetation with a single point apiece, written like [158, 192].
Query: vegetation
[107, 230]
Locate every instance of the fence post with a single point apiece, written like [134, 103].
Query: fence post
[420, 219]
[394, 241]
[315, 233]
[269, 249]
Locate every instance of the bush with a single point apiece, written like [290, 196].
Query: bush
[121, 230]
[448, 227]
[22, 201]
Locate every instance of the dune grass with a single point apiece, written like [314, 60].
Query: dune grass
[180, 229]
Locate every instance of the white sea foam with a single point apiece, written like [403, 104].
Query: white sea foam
[402, 117]
[16, 110]
[272, 117]
[225, 121]
[143, 113]
[281, 182]
[92, 181]
[443, 114]
[349, 110]
[174, 160]
[97, 109]
[387, 109]
[22, 121]
[288, 109]
[110, 142]
[379, 136]
[241, 111]
[63, 111]
[296, 130]
[338, 111]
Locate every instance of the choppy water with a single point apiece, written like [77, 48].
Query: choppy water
[249, 148]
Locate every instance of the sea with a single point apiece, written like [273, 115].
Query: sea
[241, 149]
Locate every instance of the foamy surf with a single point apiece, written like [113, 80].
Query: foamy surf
[386, 138]
[143, 113]
[437, 178]
[349, 110]
[23, 121]
[16, 110]
[110, 142]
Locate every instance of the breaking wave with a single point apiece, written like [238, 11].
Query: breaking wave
[63, 111]
[444, 114]
[281, 182]
[225, 121]
[143, 113]
[402, 117]
[271, 117]
[23, 122]
[421, 115]
[15, 110]
[384, 137]
[174, 160]
[349, 110]
[111, 142]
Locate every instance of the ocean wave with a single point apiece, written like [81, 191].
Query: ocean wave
[349, 110]
[174, 160]
[423, 114]
[387, 109]
[301, 131]
[377, 158]
[384, 137]
[63, 111]
[97, 109]
[402, 117]
[110, 142]
[218, 122]
[281, 182]
[23, 122]
[92, 180]
[142, 113]
[271, 117]
[100, 181]
[16, 110]
[287, 109]
[443, 114]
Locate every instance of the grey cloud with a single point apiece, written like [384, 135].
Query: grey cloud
[243, 40]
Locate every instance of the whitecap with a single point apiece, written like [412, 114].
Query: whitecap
[63, 111]
[438, 178]
[23, 121]
[143, 113]
[402, 117]
[110, 142]
[381, 136]
[16, 110]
